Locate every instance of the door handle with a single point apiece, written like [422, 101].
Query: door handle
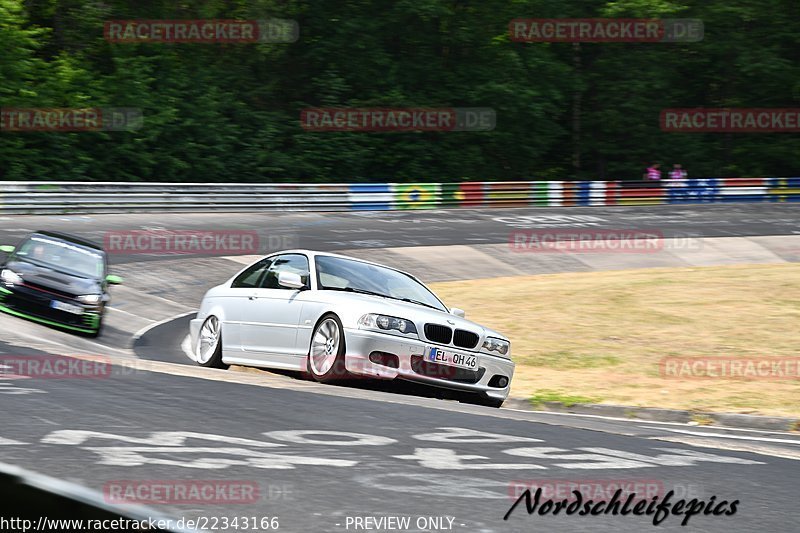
[252, 297]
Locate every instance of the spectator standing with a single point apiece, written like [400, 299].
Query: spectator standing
[653, 172]
[677, 176]
[677, 182]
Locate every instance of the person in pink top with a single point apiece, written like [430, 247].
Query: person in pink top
[677, 175]
[653, 172]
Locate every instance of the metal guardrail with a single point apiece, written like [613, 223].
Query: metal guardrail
[110, 197]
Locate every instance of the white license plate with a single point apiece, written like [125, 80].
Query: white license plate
[69, 308]
[443, 357]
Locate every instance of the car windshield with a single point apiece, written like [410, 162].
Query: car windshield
[336, 273]
[61, 256]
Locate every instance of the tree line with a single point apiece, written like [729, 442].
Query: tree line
[217, 112]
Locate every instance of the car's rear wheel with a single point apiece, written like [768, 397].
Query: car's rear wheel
[326, 354]
[209, 344]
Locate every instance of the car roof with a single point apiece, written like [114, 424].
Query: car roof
[74, 239]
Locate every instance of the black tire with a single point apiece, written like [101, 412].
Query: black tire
[215, 358]
[337, 370]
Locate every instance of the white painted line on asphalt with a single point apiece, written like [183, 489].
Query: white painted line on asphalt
[637, 421]
[9, 442]
[148, 327]
[166, 300]
[771, 451]
[723, 436]
[600, 417]
[129, 313]
[745, 430]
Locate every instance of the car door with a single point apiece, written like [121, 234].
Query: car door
[272, 315]
[236, 300]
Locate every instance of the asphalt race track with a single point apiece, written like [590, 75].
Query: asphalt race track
[381, 229]
[328, 458]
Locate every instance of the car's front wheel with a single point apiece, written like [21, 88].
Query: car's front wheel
[326, 354]
[209, 344]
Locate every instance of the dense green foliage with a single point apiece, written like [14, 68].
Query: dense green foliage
[230, 112]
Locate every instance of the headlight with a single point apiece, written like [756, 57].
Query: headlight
[387, 323]
[496, 345]
[9, 276]
[91, 299]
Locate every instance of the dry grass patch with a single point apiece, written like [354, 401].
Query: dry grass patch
[602, 334]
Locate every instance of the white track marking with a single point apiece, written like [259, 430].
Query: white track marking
[735, 437]
[157, 438]
[10, 442]
[726, 428]
[447, 459]
[358, 439]
[471, 436]
[116, 310]
[770, 451]
[145, 296]
[599, 417]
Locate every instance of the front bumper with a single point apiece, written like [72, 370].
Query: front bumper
[33, 304]
[361, 344]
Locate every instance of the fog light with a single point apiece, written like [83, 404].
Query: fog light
[498, 381]
[385, 359]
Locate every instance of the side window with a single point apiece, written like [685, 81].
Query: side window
[250, 278]
[285, 263]
[25, 249]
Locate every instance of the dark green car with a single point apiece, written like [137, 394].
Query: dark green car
[56, 279]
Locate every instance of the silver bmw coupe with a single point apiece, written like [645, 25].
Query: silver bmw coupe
[333, 316]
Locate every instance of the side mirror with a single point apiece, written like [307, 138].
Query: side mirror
[113, 280]
[290, 280]
[7, 248]
[458, 312]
